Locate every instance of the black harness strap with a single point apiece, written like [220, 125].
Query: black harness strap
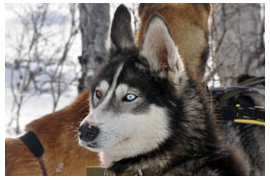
[237, 106]
[33, 143]
[242, 114]
[35, 146]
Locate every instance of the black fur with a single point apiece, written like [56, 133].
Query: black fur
[121, 31]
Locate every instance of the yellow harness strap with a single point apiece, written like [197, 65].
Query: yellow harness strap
[251, 121]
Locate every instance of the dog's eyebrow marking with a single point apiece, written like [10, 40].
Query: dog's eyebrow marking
[121, 90]
[103, 86]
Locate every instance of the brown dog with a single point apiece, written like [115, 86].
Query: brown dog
[188, 24]
[58, 135]
[58, 131]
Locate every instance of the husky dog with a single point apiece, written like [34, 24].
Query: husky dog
[147, 112]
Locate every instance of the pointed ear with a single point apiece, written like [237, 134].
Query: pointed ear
[161, 51]
[121, 31]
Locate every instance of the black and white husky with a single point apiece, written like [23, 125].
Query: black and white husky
[146, 112]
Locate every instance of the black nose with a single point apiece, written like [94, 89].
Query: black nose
[88, 133]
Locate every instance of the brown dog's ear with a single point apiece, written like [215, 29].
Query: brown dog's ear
[121, 31]
[161, 51]
[208, 7]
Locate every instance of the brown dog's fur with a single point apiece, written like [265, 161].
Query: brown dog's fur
[188, 24]
[58, 135]
[58, 131]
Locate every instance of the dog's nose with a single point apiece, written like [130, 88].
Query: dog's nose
[88, 132]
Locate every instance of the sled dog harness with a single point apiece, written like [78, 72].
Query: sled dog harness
[35, 146]
[246, 113]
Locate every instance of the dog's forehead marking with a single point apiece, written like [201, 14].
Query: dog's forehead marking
[113, 86]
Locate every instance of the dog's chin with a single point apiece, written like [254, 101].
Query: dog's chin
[90, 146]
[95, 147]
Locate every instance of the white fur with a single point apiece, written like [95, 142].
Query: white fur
[121, 90]
[127, 134]
[103, 86]
[134, 134]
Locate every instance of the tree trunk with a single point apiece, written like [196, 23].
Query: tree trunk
[94, 25]
[237, 32]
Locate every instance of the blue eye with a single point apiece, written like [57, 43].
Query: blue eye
[130, 97]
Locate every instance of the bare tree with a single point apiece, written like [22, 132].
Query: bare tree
[135, 17]
[21, 72]
[39, 64]
[238, 37]
[58, 82]
[94, 25]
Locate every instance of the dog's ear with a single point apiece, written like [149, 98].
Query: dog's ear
[161, 51]
[121, 31]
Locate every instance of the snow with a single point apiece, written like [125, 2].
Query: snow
[39, 105]
[36, 107]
